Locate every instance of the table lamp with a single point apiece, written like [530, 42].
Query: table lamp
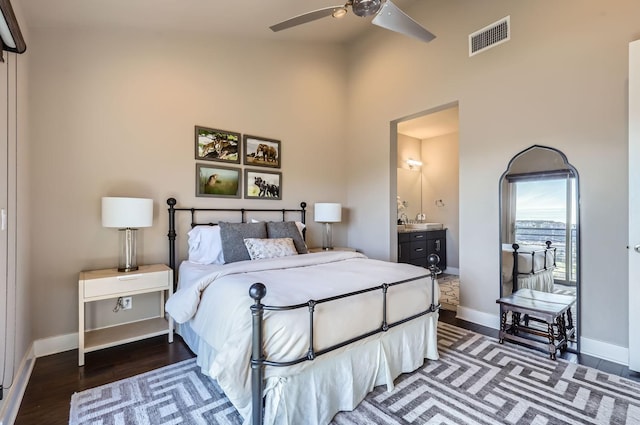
[327, 213]
[127, 214]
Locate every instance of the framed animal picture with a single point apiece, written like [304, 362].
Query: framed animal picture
[262, 152]
[218, 182]
[262, 184]
[217, 145]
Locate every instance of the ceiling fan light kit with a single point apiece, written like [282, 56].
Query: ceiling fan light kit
[339, 13]
[387, 16]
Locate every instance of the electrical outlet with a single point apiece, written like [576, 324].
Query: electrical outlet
[127, 303]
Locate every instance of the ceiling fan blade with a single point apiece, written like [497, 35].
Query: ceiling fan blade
[305, 17]
[392, 18]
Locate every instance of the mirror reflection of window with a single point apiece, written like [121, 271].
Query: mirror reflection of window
[545, 211]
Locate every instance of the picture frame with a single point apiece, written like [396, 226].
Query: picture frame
[260, 184]
[218, 182]
[217, 145]
[262, 152]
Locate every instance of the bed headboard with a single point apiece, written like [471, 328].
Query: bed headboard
[242, 215]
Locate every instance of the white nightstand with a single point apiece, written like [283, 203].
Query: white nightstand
[98, 285]
[335, 248]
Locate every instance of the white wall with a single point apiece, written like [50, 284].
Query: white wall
[441, 170]
[564, 86]
[113, 114]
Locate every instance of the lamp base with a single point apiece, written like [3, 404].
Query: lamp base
[127, 258]
[128, 269]
[327, 238]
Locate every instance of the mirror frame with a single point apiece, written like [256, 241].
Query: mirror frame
[578, 313]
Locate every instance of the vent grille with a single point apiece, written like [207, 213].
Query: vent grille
[490, 36]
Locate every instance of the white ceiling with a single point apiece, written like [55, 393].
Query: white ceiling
[431, 125]
[235, 18]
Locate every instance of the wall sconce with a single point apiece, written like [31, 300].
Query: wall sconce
[11, 38]
[327, 213]
[413, 163]
[127, 214]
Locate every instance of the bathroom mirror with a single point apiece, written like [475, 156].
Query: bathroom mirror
[539, 227]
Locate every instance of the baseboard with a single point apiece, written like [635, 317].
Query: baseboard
[604, 350]
[452, 270]
[13, 399]
[55, 344]
[590, 347]
[478, 317]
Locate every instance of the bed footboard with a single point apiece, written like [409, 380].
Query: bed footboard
[535, 253]
[258, 361]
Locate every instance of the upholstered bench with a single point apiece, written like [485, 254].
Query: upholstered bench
[554, 310]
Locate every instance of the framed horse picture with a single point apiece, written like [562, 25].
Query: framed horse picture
[260, 184]
[262, 152]
[217, 145]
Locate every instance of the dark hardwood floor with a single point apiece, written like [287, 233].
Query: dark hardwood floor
[55, 378]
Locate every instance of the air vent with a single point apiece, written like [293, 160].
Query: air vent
[490, 36]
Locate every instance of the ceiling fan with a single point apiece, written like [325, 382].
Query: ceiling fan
[388, 16]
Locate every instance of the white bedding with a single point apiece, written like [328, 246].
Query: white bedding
[542, 281]
[214, 301]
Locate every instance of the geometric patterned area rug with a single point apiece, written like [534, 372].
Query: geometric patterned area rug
[174, 394]
[475, 381]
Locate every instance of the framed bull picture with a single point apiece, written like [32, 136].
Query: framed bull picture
[260, 184]
[262, 152]
[217, 145]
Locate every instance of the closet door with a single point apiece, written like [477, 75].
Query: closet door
[634, 205]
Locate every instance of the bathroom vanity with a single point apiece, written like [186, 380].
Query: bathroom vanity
[416, 243]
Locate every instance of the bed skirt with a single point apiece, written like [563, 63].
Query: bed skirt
[340, 380]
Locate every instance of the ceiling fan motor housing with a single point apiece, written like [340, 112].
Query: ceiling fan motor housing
[364, 8]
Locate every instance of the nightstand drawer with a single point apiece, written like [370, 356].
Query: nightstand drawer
[96, 285]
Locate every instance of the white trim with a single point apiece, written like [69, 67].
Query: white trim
[55, 344]
[10, 406]
[591, 347]
[604, 350]
[452, 270]
[478, 317]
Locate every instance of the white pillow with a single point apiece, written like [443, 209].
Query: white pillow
[205, 245]
[269, 248]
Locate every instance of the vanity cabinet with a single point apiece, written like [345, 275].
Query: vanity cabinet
[415, 246]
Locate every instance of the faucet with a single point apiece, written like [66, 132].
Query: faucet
[403, 218]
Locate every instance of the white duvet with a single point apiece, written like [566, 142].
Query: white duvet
[217, 307]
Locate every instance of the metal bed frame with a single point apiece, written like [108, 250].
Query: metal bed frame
[258, 291]
[533, 270]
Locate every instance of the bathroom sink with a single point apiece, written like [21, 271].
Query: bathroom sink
[424, 226]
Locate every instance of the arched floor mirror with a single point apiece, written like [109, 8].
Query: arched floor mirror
[540, 228]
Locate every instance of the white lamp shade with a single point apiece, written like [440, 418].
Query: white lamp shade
[127, 212]
[327, 213]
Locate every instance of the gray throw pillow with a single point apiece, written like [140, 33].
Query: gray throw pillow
[232, 236]
[287, 229]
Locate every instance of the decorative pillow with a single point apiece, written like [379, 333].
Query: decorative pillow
[205, 245]
[233, 236]
[300, 225]
[287, 229]
[270, 248]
